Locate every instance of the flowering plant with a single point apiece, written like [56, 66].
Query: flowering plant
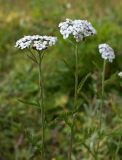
[80, 29]
[106, 52]
[38, 43]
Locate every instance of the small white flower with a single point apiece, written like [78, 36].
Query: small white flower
[78, 28]
[36, 42]
[23, 42]
[106, 52]
[39, 46]
[120, 74]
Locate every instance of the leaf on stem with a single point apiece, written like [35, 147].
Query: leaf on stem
[82, 82]
[89, 150]
[29, 103]
[66, 63]
[111, 79]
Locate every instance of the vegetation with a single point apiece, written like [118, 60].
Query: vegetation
[20, 136]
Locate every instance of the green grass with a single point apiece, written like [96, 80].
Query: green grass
[20, 123]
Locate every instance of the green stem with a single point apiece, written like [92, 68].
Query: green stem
[71, 142]
[76, 76]
[103, 87]
[75, 103]
[41, 102]
[102, 103]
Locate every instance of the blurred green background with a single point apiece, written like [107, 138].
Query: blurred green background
[20, 123]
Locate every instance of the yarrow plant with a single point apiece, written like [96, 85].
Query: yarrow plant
[36, 42]
[80, 29]
[106, 52]
[39, 44]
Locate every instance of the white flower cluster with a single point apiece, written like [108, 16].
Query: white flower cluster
[78, 28]
[36, 42]
[120, 74]
[106, 52]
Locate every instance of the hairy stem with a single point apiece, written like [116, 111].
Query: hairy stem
[75, 104]
[71, 142]
[103, 86]
[76, 77]
[41, 102]
[102, 104]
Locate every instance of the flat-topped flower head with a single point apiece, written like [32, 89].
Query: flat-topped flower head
[78, 28]
[120, 74]
[36, 42]
[106, 52]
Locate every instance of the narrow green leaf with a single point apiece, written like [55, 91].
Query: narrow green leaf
[111, 79]
[82, 82]
[28, 103]
[89, 150]
[66, 63]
